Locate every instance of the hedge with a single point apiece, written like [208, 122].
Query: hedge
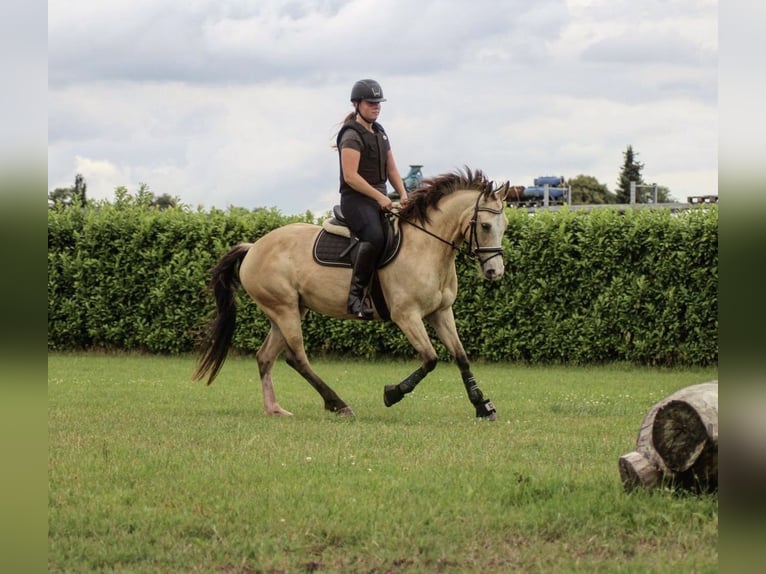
[579, 288]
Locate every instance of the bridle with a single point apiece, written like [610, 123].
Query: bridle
[473, 252]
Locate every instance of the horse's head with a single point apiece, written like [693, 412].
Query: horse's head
[485, 232]
[482, 224]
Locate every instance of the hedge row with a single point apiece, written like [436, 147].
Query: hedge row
[579, 287]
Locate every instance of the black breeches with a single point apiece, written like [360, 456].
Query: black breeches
[364, 218]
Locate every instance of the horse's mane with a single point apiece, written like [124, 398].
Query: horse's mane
[432, 189]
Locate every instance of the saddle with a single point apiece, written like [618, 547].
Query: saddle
[334, 245]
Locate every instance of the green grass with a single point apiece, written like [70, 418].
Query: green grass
[149, 472]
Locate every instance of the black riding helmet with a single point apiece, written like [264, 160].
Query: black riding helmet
[368, 90]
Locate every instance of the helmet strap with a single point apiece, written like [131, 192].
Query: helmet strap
[359, 113]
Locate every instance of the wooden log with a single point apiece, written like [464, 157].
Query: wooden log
[685, 427]
[637, 470]
[677, 442]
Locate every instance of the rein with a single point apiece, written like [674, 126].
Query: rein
[473, 253]
[423, 229]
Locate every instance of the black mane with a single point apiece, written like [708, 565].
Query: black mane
[432, 189]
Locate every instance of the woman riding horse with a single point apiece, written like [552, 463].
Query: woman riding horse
[366, 162]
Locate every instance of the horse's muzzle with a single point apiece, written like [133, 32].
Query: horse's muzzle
[493, 266]
[493, 274]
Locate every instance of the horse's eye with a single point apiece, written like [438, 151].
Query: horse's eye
[486, 226]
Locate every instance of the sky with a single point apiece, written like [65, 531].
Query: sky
[237, 102]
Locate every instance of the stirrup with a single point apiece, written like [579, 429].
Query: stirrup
[363, 313]
[359, 310]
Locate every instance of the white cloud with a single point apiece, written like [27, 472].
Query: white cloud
[101, 176]
[236, 102]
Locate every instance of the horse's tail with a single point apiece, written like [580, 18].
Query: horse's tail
[215, 343]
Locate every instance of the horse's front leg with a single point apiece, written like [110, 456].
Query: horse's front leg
[443, 322]
[415, 331]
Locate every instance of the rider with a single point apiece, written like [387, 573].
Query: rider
[366, 163]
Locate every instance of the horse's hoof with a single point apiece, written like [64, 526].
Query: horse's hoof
[392, 394]
[345, 412]
[279, 411]
[486, 411]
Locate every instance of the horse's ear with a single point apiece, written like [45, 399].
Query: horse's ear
[502, 191]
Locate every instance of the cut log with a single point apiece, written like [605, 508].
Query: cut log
[677, 442]
[637, 470]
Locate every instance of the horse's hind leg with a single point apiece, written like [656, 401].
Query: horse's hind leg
[295, 355]
[332, 402]
[270, 349]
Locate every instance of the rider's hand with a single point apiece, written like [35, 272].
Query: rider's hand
[385, 202]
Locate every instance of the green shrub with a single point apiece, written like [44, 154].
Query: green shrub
[579, 287]
[601, 286]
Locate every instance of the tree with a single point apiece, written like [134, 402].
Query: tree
[586, 189]
[663, 194]
[60, 195]
[164, 201]
[647, 193]
[146, 197]
[68, 196]
[631, 171]
[80, 188]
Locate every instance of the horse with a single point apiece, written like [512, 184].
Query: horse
[515, 194]
[420, 283]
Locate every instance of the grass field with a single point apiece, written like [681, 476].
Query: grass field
[149, 472]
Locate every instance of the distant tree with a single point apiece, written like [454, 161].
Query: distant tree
[80, 189]
[631, 171]
[146, 197]
[586, 189]
[73, 195]
[164, 201]
[664, 195]
[61, 196]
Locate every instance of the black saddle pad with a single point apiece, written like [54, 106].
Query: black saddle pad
[332, 250]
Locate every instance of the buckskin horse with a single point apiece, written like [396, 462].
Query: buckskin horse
[282, 275]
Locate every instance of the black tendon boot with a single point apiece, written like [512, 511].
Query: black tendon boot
[364, 266]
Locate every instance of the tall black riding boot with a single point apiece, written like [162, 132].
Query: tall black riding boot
[364, 266]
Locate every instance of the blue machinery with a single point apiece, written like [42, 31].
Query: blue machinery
[551, 191]
[412, 180]
[548, 188]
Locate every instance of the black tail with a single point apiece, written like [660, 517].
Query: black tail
[215, 343]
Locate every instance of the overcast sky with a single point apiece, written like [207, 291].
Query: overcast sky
[236, 102]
